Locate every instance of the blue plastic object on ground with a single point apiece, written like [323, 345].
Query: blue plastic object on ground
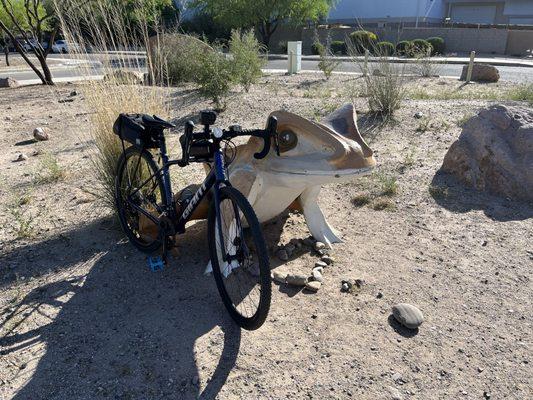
[156, 263]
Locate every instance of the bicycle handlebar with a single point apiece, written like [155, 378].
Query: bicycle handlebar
[266, 134]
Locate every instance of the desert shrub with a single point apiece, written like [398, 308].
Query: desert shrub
[215, 76]
[425, 67]
[421, 47]
[283, 47]
[338, 47]
[317, 48]
[438, 45]
[363, 40]
[385, 49]
[327, 63]
[247, 61]
[105, 100]
[403, 48]
[173, 57]
[522, 92]
[385, 91]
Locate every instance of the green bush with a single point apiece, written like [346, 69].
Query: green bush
[438, 44]
[247, 60]
[338, 47]
[363, 40]
[384, 49]
[421, 47]
[317, 48]
[403, 48]
[215, 76]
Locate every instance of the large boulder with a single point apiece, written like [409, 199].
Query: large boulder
[8, 83]
[495, 152]
[482, 73]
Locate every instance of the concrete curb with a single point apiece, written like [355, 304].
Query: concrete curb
[436, 60]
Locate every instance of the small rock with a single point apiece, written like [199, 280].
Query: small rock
[296, 279]
[73, 93]
[419, 115]
[317, 275]
[8, 83]
[319, 246]
[486, 395]
[279, 277]
[40, 134]
[328, 260]
[321, 264]
[282, 254]
[379, 295]
[319, 269]
[345, 287]
[408, 315]
[21, 157]
[7, 118]
[313, 286]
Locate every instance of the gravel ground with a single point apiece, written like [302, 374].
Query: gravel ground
[82, 317]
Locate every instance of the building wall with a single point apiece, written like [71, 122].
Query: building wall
[351, 11]
[458, 40]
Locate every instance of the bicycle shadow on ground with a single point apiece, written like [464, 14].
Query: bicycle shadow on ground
[122, 331]
[451, 194]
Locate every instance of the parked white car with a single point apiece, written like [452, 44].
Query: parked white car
[62, 46]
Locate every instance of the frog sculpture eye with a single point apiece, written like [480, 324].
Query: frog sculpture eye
[287, 141]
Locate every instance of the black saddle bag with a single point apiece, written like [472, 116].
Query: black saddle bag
[132, 129]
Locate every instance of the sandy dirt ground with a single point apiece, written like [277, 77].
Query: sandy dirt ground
[82, 316]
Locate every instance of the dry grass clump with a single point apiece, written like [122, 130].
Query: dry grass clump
[50, 170]
[102, 27]
[361, 199]
[383, 204]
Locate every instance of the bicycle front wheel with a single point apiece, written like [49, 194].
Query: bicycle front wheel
[239, 259]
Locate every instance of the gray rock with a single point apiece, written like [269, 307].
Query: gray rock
[408, 315]
[313, 286]
[8, 83]
[282, 254]
[280, 277]
[327, 259]
[40, 134]
[319, 269]
[289, 248]
[20, 157]
[297, 279]
[321, 264]
[419, 115]
[482, 73]
[493, 152]
[317, 275]
[319, 246]
[345, 287]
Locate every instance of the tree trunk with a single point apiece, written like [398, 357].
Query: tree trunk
[7, 57]
[266, 30]
[47, 78]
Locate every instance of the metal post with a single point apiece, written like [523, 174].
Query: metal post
[291, 69]
[365, 68]
[470, 66]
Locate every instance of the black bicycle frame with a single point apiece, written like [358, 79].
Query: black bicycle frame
[215, 178]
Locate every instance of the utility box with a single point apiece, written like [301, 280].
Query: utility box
[294, 51]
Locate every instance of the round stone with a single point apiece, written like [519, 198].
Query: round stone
[321, 264]
[279, 277]
[317, 275]
[40, 134]
[20, 157]
[328, 260]
[319, 246]
[313, 286]
[297, 279]
[408, 315]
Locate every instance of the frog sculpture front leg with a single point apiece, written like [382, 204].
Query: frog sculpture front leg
[316, 222]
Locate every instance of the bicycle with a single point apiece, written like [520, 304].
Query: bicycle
[143, 196]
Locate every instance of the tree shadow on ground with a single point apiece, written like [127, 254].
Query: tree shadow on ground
[449, 193]
[121, 331]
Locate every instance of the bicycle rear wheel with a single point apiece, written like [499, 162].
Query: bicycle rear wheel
[136, 189]
[239, 259]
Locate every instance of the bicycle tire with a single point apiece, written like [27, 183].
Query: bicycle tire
[254, 234]
[141, 245]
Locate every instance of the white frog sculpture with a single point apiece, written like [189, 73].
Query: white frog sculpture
[312, 154]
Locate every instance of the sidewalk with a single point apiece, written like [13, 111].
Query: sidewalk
[496, 61]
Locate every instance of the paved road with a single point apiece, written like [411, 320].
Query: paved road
[510, 74]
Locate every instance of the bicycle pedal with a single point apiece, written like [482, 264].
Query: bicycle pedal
[156, 263]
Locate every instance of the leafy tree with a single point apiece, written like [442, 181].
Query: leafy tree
[265, 15]
[30, 21]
